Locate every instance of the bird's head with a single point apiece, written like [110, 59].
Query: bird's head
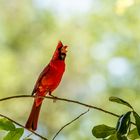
[60, 52]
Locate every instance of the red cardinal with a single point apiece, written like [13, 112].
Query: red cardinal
[47, 82]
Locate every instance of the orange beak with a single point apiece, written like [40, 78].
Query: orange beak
[64, 49]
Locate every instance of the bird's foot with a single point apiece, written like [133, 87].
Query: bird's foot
[54, 98]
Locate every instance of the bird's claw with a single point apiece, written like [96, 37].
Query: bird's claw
[54, 98]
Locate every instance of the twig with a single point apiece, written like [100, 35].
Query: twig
[62, 99]
[70, 123]
[27, 136]
[23, 127]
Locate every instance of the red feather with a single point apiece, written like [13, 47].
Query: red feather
[47, 82]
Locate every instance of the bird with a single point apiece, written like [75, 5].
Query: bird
[47, 82]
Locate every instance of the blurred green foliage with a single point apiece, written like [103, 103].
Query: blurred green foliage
[102, 60]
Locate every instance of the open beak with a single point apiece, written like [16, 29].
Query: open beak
[64, 49]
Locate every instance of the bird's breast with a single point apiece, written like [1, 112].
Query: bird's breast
[52, 79]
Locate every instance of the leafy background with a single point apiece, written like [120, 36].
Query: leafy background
[103, 59]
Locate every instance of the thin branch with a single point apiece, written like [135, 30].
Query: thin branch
[27, 136]
[69, 123]
[23, 127]
[62, 99]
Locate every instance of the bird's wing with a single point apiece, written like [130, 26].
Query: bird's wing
[44, 72]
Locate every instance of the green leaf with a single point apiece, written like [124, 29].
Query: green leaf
[14, 135]
[124, 138]
[120, 137]
[116, 137]
[133, 134]
[123, 123]
[102, 131]
[137, 120]
[113, 137]
[7, 125]
[120, 101]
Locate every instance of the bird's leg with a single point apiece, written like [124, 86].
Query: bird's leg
[54, 97]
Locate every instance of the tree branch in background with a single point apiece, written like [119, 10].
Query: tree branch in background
[70, 123]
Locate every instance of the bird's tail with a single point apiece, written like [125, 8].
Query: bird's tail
[33, 118]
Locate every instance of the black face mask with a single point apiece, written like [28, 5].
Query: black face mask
[62, 56]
